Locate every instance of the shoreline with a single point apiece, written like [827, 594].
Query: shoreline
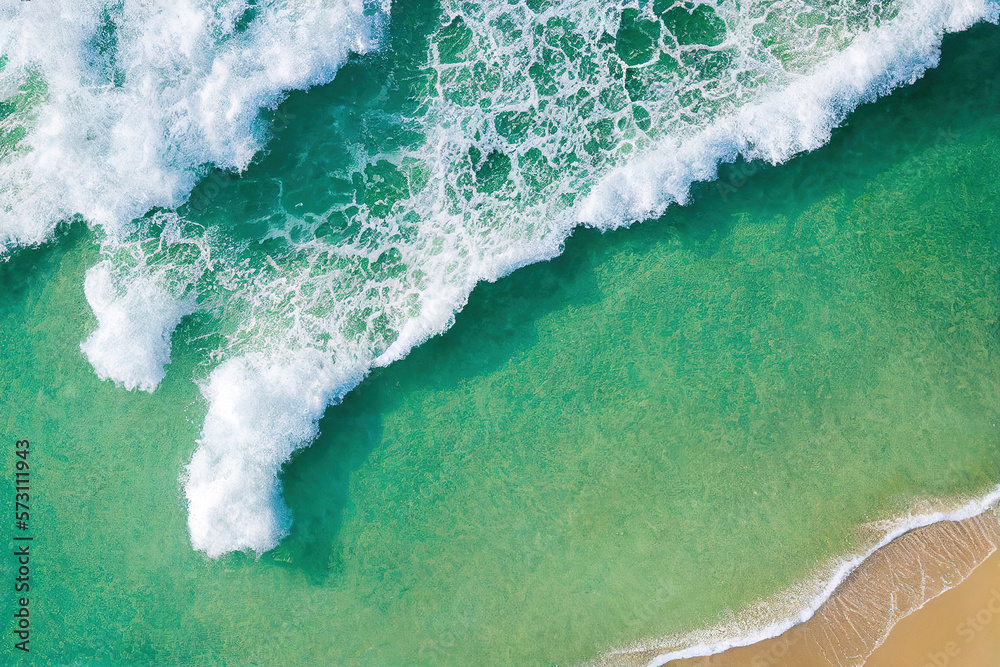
[949, 544]
[956, 629]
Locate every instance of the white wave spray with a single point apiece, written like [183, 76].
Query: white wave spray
[777, 125]
[121, 106]
[524, 138]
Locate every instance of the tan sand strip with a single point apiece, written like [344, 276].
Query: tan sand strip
[894, 582]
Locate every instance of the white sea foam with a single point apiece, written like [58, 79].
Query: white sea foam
[109, 138]
[125, 105]
[135, 321]
[785, 122]
[261, 409]
[232, 482]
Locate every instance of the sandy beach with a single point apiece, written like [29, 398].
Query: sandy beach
[960, 628]
[921, 599]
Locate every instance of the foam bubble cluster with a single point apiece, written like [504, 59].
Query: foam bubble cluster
[131, 345]
[261, 410]
[782, 122]
[113, 108]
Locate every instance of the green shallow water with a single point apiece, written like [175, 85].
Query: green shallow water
[664, 424]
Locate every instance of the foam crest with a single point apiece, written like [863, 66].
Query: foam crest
[261, 409]
[135, 322]
[531, 117]
[113, 109]
[539, 119]
[796, 118]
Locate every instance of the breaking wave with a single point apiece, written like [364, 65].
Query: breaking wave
[461, 151]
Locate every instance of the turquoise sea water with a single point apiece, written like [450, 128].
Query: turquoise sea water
[662, 426]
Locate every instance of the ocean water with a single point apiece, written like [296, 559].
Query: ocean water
[672, 428]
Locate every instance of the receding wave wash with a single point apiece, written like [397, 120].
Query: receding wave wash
[491, 135]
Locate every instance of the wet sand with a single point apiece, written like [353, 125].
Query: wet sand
[868, 619]
[961, 628]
